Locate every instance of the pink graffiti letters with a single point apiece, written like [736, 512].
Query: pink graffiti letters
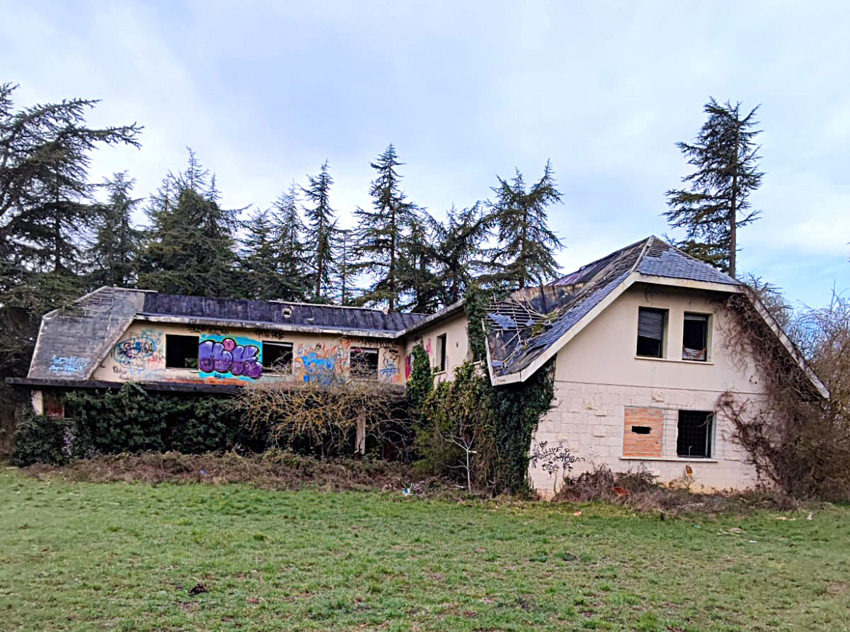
[229, 357]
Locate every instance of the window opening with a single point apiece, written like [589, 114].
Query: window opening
[651, 325]
[695, 337]
[277, 357]
[181, 352]
[364, 363]
[694, 438]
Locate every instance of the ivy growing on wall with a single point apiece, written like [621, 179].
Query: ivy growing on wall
[479, 433]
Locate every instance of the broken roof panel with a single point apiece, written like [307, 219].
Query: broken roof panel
[513, 349]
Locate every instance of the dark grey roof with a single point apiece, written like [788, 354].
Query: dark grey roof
[528, 322]
[278, 313]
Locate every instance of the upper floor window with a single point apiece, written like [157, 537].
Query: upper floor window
[441, 352]
[277, 357]
[652, 327]
[181, 352]
[695, 337]
[364, 363]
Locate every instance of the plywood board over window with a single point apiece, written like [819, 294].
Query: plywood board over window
[642, 436]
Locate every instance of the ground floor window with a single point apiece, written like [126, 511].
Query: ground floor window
[364, 363]
[695, 432]
[181, 352]
[277, 357]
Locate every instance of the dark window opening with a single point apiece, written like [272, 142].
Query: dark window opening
[695, 337]
[651, 326]
[54, 405]
[441, 352]
[181, 352]
[641, 429]
[694, 438]
[277, 357]
[364, 363]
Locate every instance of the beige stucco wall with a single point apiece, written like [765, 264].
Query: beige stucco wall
[140, 354]
[597, 375]
[457, 345]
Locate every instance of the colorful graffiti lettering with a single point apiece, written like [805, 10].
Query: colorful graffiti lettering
[322, 364]
[68, 365]
[135, 349]
[389, 370]
[408, 366]
[229, 357]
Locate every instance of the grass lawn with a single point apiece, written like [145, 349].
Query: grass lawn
[83, 556]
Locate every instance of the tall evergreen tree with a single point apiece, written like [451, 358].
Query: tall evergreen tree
[345, 266]
[46, 203]
[290, 251]
[190, 247]
[382, 231]
[419, 282]
[458, 250]
[519, 215]
[116, 244]
[716, 203]
[321, 232]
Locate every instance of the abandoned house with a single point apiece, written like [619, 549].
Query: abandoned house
[638, 340]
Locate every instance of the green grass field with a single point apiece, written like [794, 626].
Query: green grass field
[82, 556]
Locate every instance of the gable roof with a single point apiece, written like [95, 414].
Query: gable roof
[74, 340]
[530, 326]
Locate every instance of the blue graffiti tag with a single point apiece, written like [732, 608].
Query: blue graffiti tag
[70, 364]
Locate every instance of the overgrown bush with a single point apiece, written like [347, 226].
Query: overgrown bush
[42, 439]
[128, 420]
[798, 441]
[481, 434]
[321, 417]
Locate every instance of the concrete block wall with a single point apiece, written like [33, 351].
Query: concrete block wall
[590, 420]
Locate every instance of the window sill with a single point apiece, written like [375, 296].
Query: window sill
[443, 372]
[668, 459]
[676, 360]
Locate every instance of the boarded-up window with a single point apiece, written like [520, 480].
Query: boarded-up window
[643, 432]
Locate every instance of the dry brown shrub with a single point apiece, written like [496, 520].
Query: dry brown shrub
[322, 415]
[797, 440]
[274, 469]
[640, 491]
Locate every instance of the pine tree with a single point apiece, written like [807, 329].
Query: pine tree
[345, 266]
[116, 245]
[290, 251]
[321, 232]
[458, 250]
[381, 232]
[258, 262]
[46, 208]
[519, 214]
[190, 247]
[419, 283]
[716, 204]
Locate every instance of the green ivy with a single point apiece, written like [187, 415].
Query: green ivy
[421, 381]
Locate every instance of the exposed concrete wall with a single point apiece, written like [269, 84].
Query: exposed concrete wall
[598, 376]
[140, 354]
[457, 346]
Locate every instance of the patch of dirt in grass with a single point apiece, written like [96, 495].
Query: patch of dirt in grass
[271, 470]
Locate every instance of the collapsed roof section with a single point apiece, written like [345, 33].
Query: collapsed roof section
[529, 323]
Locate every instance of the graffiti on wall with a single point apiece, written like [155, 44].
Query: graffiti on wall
[388, 371]
[408, 366]
[323, 363]
[229, 356]
[68, 365]
[138, 355]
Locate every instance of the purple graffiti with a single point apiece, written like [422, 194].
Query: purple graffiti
[228, 357]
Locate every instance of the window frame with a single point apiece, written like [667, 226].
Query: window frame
[440, 360]
[707, 336]
[270, 368]
[711, 417]
[364, 351]
[662, 352]
[168, 357]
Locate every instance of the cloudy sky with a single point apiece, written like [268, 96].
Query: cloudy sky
[264, 92]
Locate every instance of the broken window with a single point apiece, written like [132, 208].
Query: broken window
[694, 438]
[54, 405]
[695, 337]
[277, 357]
[651, 326]
[181, 352]
[364, 363]
[441, 352]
